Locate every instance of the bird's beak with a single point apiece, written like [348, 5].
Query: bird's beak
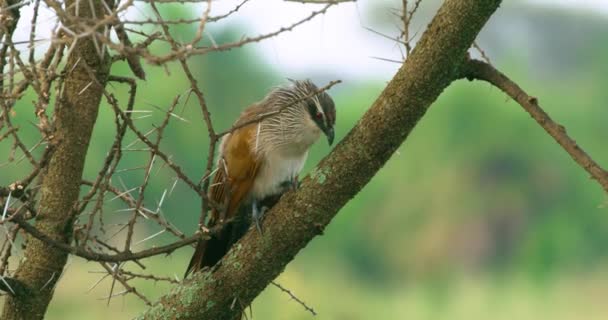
[330, 135]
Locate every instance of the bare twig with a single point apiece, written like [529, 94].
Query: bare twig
[122, 256]
[295, 298]
[187, 51]
[475, 69]
[119, 257]
[482, 53]
[117, 275]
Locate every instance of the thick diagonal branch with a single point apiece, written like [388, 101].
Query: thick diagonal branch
[475, 69]
[255, 260]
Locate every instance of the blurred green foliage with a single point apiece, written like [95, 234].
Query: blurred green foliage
[479, 215]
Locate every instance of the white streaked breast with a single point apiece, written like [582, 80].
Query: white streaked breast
[276, 169]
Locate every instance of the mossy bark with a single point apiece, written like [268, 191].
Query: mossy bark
[75, 115]
[255, 260]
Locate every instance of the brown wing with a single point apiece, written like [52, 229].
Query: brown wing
[240, 165]
[237, 168]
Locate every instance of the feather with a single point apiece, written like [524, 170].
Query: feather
[255, 160]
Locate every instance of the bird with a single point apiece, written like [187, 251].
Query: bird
[261, 159]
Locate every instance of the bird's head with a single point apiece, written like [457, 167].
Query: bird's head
[320, 107]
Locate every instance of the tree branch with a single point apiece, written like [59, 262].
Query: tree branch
[103, 257]
[479, 70]
[75, 115]
[256, 260]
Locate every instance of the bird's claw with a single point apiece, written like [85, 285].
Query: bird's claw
[295, 184]
[258, 215]
[292, 184]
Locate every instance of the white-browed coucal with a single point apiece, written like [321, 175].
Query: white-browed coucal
[261, 159]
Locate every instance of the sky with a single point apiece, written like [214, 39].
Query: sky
[587, 5]
[338, 44]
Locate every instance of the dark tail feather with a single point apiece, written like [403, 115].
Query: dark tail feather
[197, 257]
[209, 252]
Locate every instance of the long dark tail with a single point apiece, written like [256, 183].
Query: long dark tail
[209, 252]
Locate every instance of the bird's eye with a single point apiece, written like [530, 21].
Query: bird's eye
[319, 115]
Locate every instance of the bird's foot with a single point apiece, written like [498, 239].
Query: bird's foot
[258, 215]
[292, 184]
[295, 183]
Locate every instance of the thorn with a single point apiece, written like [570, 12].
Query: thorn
[533, 100]
[6, 205]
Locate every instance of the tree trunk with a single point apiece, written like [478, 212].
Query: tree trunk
[75, 115]
[256, 260]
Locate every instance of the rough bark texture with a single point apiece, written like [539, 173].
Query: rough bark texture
[75, 115]
[255, 260]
